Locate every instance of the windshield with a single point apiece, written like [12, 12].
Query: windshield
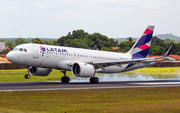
[20, 49]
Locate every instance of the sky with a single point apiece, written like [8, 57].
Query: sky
[112, 18]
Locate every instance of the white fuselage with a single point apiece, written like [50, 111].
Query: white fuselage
[59, 57]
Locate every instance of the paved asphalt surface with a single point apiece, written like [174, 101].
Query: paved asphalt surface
[57, 85]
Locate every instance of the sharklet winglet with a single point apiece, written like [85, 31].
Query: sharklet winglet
[169, 50]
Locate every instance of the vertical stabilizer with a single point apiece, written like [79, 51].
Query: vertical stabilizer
[141, 48]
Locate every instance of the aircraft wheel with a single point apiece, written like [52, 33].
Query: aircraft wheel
[27, 76]
[91, 80]
[65, 79]
[94, 80]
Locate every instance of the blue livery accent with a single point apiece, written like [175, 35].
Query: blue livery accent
[132, 64]
[144, 39]
[141, 54]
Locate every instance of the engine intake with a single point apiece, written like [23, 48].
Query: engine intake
[82, 70]
[40, 71]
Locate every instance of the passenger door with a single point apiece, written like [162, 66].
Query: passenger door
[35, 51]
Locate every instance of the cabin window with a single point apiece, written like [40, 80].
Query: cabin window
[25, 50]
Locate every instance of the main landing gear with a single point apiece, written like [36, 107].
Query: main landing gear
[65, 79]
[94, 80]
[27, 76]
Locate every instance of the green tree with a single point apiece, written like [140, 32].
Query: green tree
[53, 42]
[61, 41]
[10, 45]
[79, 34]
[169, 41]
[5, 51]
[127, 45]
[37, 41]
[106, 49]
[82, 39]
[158, 46]
[20, 41]
[130, 39]
[78, 43]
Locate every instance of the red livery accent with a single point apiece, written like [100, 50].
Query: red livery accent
[148, 31]
[143, 47]
[41, 47]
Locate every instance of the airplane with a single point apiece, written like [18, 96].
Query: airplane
[41, 59]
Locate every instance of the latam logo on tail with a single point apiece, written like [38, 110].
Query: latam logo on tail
[145, 46]
[43, 49]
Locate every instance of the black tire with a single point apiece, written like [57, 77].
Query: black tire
[91, 80]
[27, 76]
[67, 79]
[96, 80]
[63, 79]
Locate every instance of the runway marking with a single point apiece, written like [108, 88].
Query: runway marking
[88, 88]
[157, 83]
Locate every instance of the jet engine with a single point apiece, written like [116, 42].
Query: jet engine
[82, 69]
[39, 71]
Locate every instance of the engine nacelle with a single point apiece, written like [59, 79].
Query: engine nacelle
[82, 70]
[39, 71]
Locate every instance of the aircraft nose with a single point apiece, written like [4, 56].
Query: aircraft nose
[9, 56]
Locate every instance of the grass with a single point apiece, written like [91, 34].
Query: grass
[141, 100]
[157, 72]
[18, 74]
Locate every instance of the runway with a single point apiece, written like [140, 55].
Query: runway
[57, 85]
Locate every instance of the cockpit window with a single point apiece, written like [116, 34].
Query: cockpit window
[16, 49]
[20, 49]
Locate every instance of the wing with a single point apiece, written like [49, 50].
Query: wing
[102, 64]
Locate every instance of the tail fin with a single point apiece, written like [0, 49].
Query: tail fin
[141, 48]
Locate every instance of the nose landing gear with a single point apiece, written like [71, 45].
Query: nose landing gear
[27, 76]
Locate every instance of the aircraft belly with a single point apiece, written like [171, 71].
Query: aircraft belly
[137, 66]
[112, 69]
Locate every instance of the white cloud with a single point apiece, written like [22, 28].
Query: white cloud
[154, 5]
[41, 5]
[115, 18]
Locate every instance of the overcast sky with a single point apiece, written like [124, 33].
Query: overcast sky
[113, 18]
